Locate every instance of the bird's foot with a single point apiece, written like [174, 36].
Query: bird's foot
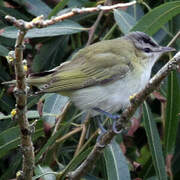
[115, 129]
[109, 115]
[114, 117]
[102, 132]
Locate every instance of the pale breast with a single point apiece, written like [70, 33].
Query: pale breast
[113, 96]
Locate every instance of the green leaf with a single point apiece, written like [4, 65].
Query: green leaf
[3, 51]
[90, 177]
[153, 178]
[75, 162]
[154, 143]
[51, 54]
[61, 28]
[59, 133]
[176, 156]
[76, 3]
[31, 114]
[9, 135]
[58, 7]
[124, 20]
[35, 7]
[136, 11]
[32, 101]
[147, 169]
[10, 138]
[40, 171]
[12, 12]
[4, 76]
[116, 164]
[54, 104]
[156, 18]
[13, 165]
[172, 110]
[7, 103]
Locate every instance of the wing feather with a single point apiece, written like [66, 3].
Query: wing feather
[91, 75]
[100, 67]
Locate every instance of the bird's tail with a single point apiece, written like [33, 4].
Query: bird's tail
[9, 82]
[34, 79]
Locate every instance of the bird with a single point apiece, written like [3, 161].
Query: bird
[101, 77]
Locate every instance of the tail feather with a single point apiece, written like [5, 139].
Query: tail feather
[9, 82]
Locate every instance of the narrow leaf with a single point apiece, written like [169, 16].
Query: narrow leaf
[51, 54]
[136, 11]
[116, 164]
[58, 7]
[7, 103]
[172, 117]
[35, 7]
[59, 133]
[153, 178]
[124, 20]
[31, 114]
[12, 12]
[154, 143]
[41, 170]
[13, 165]
[75, 162]
[62, 28]
[156, 18]
[54, 104]
[3, 51]
[10, 138]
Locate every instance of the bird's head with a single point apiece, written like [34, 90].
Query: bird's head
[146, 45]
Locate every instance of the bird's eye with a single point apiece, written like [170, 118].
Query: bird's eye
[147, 50]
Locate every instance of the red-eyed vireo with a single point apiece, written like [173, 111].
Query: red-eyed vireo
[104, 74]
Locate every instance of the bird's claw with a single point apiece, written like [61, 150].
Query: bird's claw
[109, 115]
[115, 129]
[114, 117]
[99, 139]
[102, 132]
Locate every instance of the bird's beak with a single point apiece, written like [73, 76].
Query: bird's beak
[165, 49]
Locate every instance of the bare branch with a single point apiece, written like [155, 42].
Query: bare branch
[21, 110]
[39, 22]
[174, 38]
[93, 28]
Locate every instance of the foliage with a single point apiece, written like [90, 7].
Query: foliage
[56, 149]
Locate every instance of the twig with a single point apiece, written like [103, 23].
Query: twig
[83, 134]
[39, 22]
[174, 39]
[93, 28]
[61, 117]
[68, 135]
[21, 110]
[125, 116]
